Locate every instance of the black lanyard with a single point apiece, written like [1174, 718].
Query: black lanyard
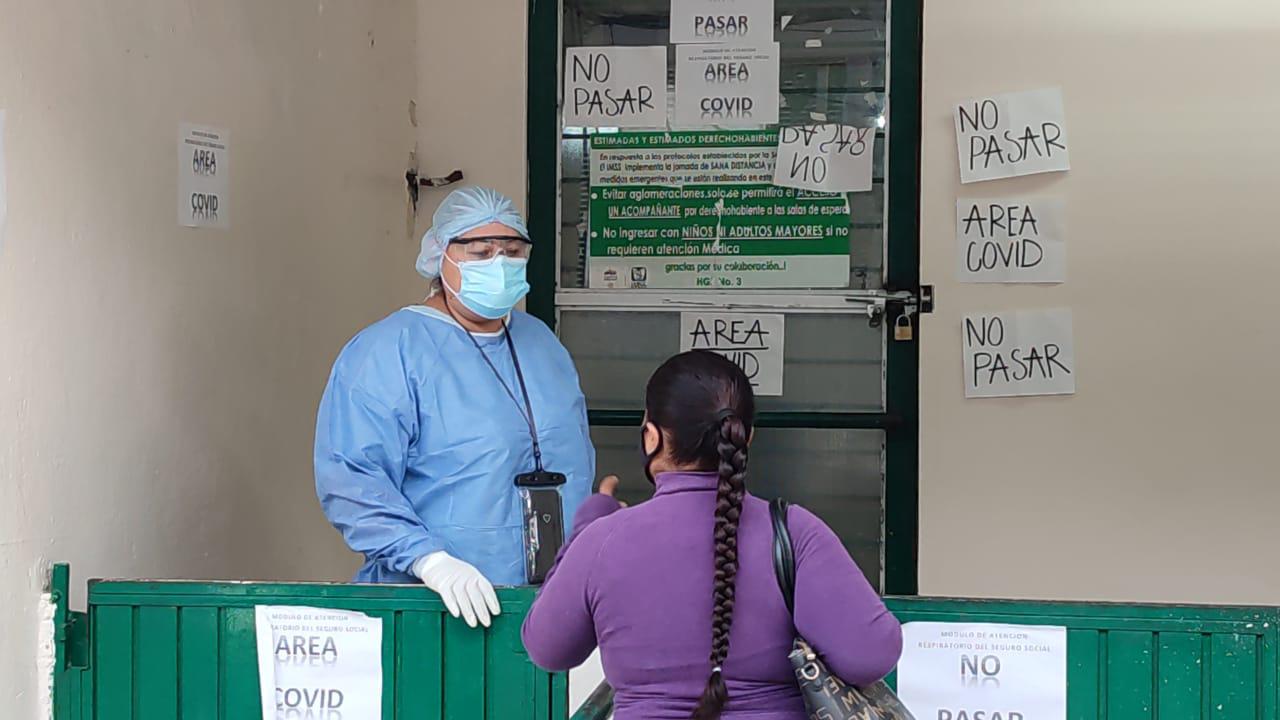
[526, 411]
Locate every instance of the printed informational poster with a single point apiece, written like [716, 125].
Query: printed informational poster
[1011, 240]
[204, 176]
[752, 341]
[698, 210]
[4, 196]
[828, 158]
[721, 21]
[1012, 135]
[319, 663]
[1021, 352]
[621, 87]
[955, 671]
[726, 86]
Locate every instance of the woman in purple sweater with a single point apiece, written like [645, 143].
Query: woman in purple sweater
[679, 592]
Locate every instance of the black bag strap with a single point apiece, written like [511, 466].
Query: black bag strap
[784, 559]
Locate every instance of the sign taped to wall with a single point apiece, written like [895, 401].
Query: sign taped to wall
[957, 671]
[752, 341]
[621, 87]
[698, 210]
[1012, 135]
[1022, 352]
[204, 176]
[1011, 240]
[316, 662]
[826, 158]
[726, 86]
[721, 21]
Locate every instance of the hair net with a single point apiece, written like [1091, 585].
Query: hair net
[463, 210]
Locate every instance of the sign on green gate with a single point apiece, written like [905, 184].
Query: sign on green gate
[699, 210]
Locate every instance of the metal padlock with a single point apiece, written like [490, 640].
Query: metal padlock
[902, 330]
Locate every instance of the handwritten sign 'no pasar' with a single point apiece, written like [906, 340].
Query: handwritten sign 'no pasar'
[826, 158]
[1011, 135]
[623, 87]
[1026, 352]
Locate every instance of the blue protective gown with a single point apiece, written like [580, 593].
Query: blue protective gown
[418, 445]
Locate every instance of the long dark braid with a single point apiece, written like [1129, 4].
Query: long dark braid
[732, 448]
[704, 406]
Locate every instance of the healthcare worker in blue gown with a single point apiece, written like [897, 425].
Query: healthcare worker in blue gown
[430, 414]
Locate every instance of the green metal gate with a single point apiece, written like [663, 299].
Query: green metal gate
[186, 651]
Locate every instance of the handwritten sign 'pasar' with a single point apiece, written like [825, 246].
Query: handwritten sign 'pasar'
[754, 342]
[1011, 240]
[1025, 352]
[826, 158]
[624, 87]
[1011, 135]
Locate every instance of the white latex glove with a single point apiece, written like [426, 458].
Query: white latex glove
[464, 590]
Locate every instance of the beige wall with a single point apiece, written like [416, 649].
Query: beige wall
[158, 384]
[471, 96]
[1158, 480]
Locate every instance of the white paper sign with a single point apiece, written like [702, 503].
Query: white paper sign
[722, 21]
[827, 158]
[318, 663]
[204, 176]
[954, 671]
[623, 87]
[4, 197]
[751, 340]
[726, 86]
[1011, 135]
[1023, 352]
[1011, 240]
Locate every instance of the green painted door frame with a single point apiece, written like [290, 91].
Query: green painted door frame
[900, 419]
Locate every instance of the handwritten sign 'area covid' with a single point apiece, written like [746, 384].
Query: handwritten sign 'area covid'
[826, 158]
[318, 663]
[1011, 135]
[955, 671]
[204, 176]
[754, 342]
[624, 87]
[1011, 240]
[1024, 352]
[726, 86]
[721, 21]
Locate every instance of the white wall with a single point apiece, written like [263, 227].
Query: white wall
[1158, 480]
[158, 385]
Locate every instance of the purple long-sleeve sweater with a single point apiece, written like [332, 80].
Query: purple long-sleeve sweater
[637, 582]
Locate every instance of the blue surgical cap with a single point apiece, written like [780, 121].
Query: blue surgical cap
[464, 210]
